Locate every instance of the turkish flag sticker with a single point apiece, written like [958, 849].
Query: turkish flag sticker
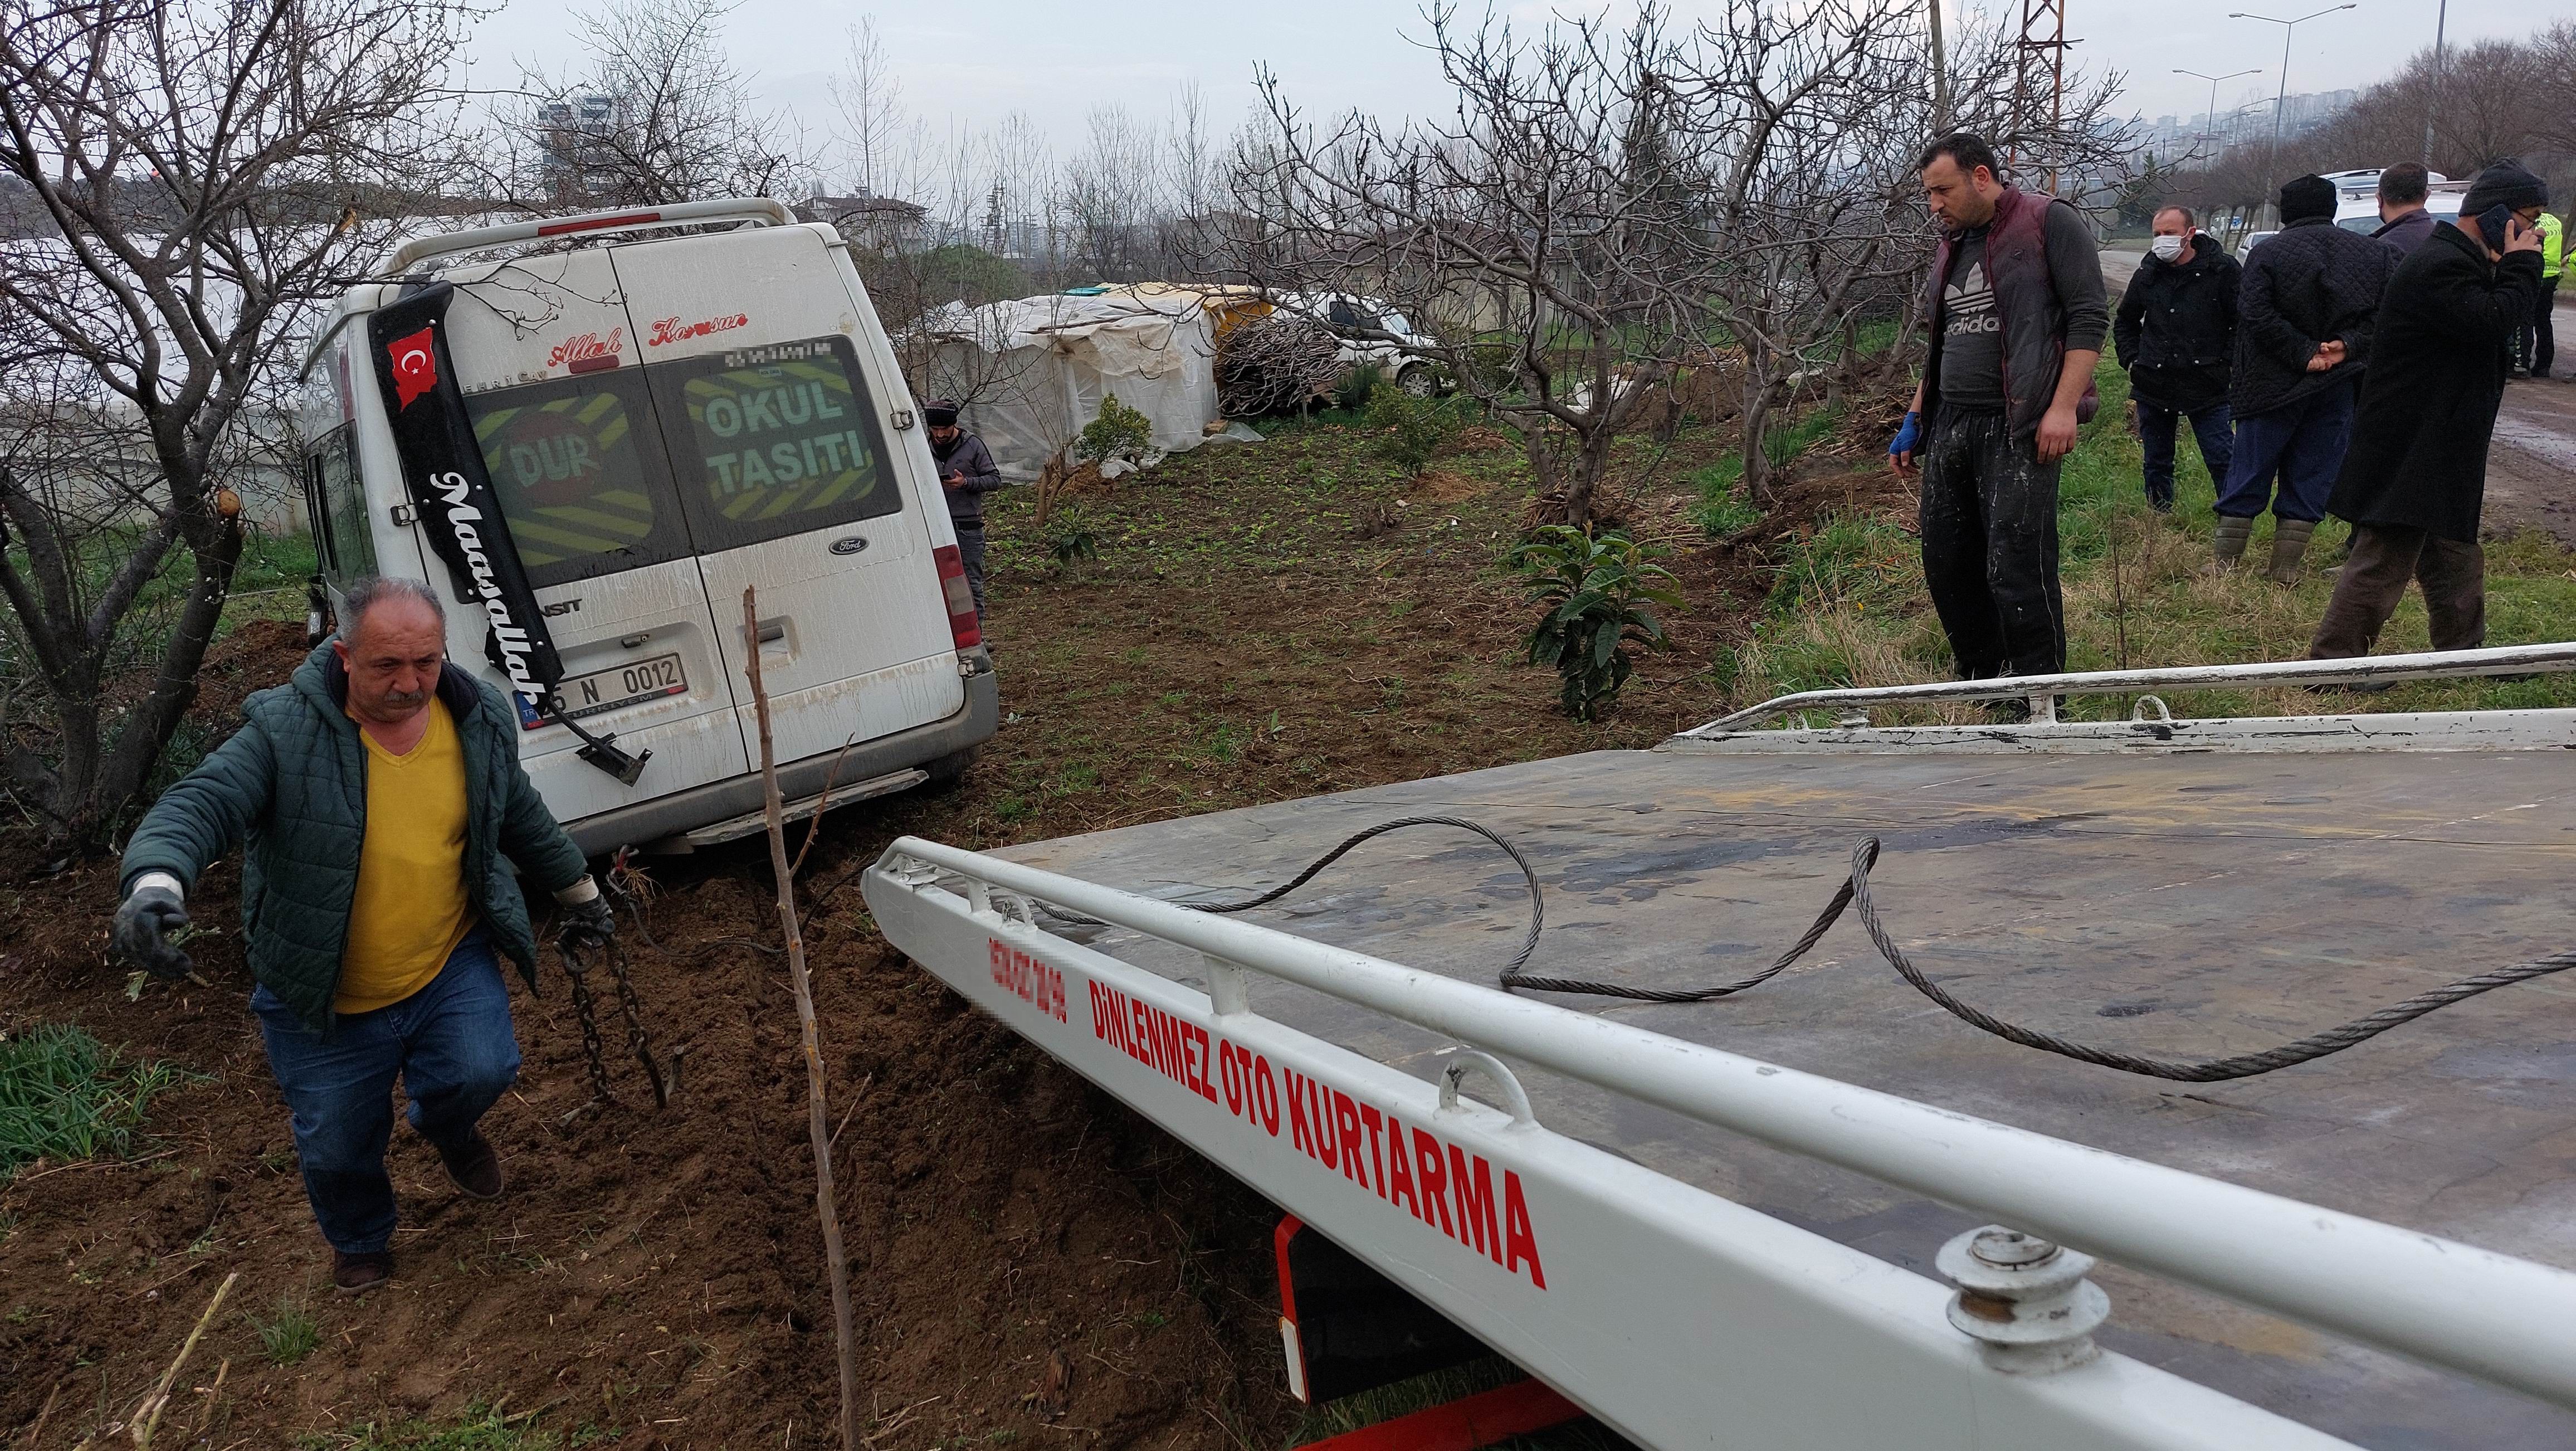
[415, 367]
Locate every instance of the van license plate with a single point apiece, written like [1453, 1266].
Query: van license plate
[623, 685]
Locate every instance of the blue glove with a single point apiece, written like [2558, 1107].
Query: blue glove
[1908, 437]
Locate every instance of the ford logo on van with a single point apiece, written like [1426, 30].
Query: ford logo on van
[850, 544]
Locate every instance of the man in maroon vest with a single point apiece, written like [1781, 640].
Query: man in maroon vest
[2016, 311]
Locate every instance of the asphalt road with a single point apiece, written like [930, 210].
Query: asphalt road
[2531, 469]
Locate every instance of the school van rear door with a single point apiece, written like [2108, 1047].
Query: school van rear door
[549, 364]
[774, 386]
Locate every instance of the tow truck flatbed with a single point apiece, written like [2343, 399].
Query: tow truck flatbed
[2177, 896]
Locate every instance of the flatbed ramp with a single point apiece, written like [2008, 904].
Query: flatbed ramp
[2177, 904]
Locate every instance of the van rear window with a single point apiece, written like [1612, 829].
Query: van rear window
[772, 441]
[578, 474]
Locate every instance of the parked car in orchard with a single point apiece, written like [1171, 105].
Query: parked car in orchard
[1373, 331]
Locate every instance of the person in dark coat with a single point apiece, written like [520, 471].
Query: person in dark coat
[966, 475]
[2175, 330]
[2303, 337]
[2416, 477]
[2403, 221]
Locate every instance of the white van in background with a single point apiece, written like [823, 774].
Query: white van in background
[667, 419]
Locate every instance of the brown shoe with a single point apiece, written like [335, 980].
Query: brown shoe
[357, 1274]
[475, 1167]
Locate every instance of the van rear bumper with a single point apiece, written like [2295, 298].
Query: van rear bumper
[972, 725]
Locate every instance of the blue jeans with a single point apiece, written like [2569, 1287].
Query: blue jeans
[2156, 440]
[452, 1045]
[2303, 444]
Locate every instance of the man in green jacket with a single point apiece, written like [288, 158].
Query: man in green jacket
[379, 791]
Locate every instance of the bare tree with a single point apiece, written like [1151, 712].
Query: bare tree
[653, 113]
[208, 174]
[1545, 232]
[883, 143]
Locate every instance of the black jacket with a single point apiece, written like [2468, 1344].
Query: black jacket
[2311, 284]
[2176, 328]
[969, 457]
[2428, 405]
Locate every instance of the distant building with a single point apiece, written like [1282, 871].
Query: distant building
[883, 223]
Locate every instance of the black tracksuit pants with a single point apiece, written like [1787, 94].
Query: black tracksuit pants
[1990, 546]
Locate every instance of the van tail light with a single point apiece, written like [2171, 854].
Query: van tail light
[961, 597]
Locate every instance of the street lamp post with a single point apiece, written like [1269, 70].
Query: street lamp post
[2433, 103]
[2211, 116]
[2280, 101]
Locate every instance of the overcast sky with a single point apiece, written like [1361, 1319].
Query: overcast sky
[971, 62]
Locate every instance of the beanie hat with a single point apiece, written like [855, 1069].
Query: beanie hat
[939, 413]
[2306, 196]
[2507, 184]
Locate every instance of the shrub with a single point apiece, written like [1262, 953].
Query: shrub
[1592, 594]
[1357, 386]
[1120, 435]
[1069, 538]
[1411, 431]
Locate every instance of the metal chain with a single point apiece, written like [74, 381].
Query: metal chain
[578, 972]
[634, 1011]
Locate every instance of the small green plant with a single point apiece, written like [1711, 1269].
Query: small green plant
[1357, 386]
[1721, 510]
[1411, 431]
[65, 1096]
[1592, 592]
[288, 1336]
[481, 1428]
[1118, 435]
[1070, 538]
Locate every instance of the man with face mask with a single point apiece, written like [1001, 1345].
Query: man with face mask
[2414, 483]
[966, 475]
[380, 793]
[2175, 329]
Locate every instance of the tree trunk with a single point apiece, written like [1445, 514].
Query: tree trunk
[148, 727]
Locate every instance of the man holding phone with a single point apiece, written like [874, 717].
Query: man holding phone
[966, 475]
[2414, 480]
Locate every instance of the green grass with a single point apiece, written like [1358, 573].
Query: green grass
[289, 1335]
[1848, 606]
[65, 1097]
[1721, 510]
[481, 1428]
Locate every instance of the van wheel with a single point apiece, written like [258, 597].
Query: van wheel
[1418, 381]
[948, 770]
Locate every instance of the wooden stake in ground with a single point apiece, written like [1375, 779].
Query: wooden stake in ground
[833, 1258]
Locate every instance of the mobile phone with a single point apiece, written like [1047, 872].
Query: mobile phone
[2496, 222]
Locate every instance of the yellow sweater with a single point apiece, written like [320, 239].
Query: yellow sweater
[410, 910]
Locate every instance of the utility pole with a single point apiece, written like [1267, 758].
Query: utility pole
[2433, 103]
[1941, 122]
[2280, 101]
[2043, 30]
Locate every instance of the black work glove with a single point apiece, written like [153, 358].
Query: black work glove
[586, 926]
[141, 932]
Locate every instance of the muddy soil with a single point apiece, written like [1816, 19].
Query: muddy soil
[1032, 1264]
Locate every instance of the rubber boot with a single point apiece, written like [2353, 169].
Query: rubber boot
[2289, 546]
[2231, 536]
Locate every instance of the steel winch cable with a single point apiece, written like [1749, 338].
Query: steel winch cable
[1529, 882]
[1853, 893]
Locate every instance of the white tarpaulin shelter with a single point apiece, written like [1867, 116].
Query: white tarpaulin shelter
[1032, 372]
